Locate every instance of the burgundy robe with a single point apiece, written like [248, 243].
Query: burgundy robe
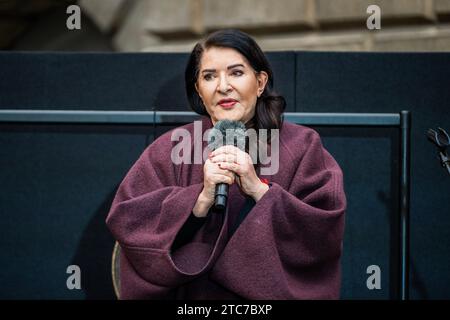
[287, 247]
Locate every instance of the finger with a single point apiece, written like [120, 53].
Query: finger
[211, 167]
[232, 167]
[219, 178]
[224, 158]
[237, 156]
[216, 169]
[227, 149]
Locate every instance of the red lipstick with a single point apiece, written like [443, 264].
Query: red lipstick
[227, 103]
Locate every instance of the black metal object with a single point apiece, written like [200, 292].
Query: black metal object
[441, 140]
[400, 120]
[181, 117]
[405, 137]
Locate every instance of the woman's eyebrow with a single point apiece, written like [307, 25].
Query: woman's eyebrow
[229, 67]
[235, 65]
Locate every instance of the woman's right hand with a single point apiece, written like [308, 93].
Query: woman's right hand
[212, 175]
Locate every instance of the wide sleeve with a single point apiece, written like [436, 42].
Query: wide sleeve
[148, 211]
[289, 245]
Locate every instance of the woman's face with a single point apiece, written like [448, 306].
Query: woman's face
[228, 85]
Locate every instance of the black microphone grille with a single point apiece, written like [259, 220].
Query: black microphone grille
[227, 132]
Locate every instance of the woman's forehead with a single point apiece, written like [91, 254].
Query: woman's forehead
[221, 58]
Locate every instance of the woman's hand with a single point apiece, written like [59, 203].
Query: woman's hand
[233, 159]
[212, 175]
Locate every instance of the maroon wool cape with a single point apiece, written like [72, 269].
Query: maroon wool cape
[287, 247]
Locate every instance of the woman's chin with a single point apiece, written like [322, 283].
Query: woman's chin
[229, 116]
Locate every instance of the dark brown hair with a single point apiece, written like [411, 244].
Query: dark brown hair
[269, 106]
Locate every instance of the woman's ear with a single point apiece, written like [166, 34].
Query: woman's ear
[262, 78]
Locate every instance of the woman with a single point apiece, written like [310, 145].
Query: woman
[281, 236]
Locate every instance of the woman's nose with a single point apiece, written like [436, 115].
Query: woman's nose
[224, 85]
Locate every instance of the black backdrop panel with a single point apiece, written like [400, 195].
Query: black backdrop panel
[372, 207]
[93, 81]
[57, 186]
[389, 82]
[98, 81]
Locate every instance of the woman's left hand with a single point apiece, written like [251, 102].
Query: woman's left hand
[232, 158]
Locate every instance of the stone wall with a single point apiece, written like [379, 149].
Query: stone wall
[175, 25]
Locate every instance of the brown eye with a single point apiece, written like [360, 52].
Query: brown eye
[237, 73]
[208, 77]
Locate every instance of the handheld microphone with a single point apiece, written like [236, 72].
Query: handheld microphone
[225, 132]
[441, 140]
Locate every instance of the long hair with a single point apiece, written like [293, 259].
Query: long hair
[269, 106]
